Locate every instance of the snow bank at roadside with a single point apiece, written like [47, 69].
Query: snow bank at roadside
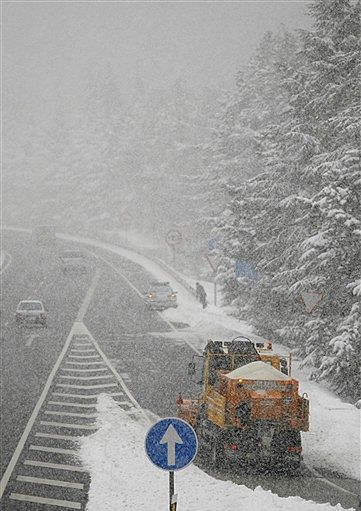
[122, 478]
[333, 441]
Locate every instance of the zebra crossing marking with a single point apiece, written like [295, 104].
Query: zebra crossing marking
[50, 482]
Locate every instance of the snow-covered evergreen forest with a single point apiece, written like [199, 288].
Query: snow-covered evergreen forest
[294, 124]
[270, 170]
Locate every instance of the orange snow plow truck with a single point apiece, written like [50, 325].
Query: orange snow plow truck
[249, 411]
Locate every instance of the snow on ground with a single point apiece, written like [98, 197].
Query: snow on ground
[333, 440]
[123, 479]
[334, 437]
[210, 323]
[130, 238]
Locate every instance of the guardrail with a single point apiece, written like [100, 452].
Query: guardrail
[174, 274]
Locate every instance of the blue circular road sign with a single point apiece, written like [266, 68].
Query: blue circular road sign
[171, 444]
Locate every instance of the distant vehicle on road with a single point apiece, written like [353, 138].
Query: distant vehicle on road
[74, 261]
[44, 235]
[31, 311]
[161, 296]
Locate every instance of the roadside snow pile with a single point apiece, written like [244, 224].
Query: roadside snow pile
[257, 371]
[122, 478]
[334, 437]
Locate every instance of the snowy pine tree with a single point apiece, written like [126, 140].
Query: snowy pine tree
[331, 255]
[297, 222]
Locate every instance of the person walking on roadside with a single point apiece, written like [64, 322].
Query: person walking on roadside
[201, 295]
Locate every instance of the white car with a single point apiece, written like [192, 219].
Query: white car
[31, 311]
[161, 296]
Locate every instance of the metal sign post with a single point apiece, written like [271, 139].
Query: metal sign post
[173, 238]
[171, 490]
[173, 500]
[171, 444]
[212, 263]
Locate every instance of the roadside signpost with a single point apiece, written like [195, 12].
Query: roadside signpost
[171, 444]
[212, 260]
[173, 238]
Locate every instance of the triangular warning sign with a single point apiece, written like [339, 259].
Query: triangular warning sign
[311, 299]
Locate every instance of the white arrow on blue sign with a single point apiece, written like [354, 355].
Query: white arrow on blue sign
[171, 444]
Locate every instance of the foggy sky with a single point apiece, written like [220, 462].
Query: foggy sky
[50, 48]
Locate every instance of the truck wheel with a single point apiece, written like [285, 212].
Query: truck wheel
[203, 450]
[283, 442]
[294, 466]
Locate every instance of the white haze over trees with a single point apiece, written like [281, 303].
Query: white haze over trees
[269, 167]
[147, 158]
